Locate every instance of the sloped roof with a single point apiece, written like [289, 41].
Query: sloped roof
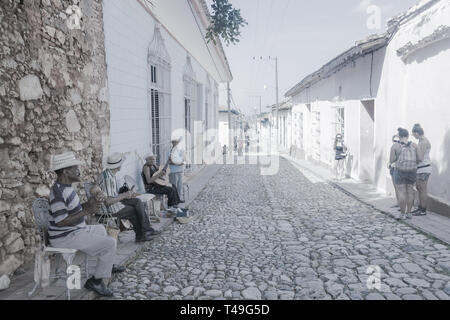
[361, 48]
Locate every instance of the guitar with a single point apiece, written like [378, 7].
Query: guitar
[164, 179]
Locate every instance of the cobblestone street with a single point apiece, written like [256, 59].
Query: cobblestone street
[284, 237]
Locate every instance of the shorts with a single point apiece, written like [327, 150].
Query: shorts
[423, 176]
[402, 177]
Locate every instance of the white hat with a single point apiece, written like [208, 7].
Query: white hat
[115, 160]
[177, 139]
[64, 160]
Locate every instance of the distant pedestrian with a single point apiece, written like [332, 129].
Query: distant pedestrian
[340, 154]
[393, 156]
[423, 169]
[224, 153]
[405, 170]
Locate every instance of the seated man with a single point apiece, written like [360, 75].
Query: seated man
[124, 205]
[67, 227]
[153, 181]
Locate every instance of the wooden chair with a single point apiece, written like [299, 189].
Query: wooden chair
[40, 209]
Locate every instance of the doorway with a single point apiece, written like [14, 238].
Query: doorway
[366, 142]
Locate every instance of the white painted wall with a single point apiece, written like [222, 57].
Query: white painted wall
[345, 88]
[416, 91]
[128, 31]
[406, 90]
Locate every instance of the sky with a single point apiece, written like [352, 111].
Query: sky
[303, 34]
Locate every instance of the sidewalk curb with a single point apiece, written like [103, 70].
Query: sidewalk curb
[428, 233]
[349, 193]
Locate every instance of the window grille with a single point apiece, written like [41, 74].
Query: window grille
[301, 130]
[159, 96]
[190, 99]
[315, 133]
[338, 125]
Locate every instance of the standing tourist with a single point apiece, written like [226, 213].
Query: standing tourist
[405, 170]
[393, 156]
[340, 155]
[423, 169]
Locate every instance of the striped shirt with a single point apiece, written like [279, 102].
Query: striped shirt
[108, 183]
[64, 202]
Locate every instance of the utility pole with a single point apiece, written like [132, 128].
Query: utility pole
[277, 102]
[260, 125]
[229, 116]
[276, 81]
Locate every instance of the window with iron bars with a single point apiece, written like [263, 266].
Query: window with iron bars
[159, 98]
[190, 88]
[339, 121]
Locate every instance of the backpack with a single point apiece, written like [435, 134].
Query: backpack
[407, 161]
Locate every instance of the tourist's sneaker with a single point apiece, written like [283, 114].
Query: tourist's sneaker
[419, 212]
[402, 216]
[408, 216]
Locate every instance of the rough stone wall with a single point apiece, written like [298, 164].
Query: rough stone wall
[53, 98]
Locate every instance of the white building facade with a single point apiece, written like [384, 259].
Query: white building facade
[384, 82]
[235, 127]
[163, 78]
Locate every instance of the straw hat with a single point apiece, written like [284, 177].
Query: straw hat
[115, 160]
[63, 160]
[176, 139]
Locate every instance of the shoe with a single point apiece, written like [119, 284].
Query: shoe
[419, 213]
[408, 216]
[402, 216]
[100, 289]
[117, 269]
[152, 232]
[144, 238]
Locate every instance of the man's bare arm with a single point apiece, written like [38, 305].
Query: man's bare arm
[89, 207]
[154, 177]
[392, 156]
[120, 197]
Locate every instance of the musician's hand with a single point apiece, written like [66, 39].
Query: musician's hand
[92, 206]
[130, 195]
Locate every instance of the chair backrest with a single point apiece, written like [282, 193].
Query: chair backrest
[41, 213]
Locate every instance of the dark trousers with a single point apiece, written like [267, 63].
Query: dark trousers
[135, 212]
[172, 194]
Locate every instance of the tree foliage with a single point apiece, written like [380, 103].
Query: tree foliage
[226, 23]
